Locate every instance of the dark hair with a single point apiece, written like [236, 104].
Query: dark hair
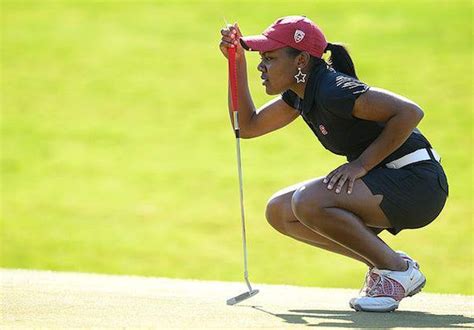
[339, 60]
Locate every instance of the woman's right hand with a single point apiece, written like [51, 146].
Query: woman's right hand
[230, 38]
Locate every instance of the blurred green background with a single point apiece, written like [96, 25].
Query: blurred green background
[118, 155]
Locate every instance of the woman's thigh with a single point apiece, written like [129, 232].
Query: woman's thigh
[315, 194]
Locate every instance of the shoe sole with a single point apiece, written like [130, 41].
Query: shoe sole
[359, 308]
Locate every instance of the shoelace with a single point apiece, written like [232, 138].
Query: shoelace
[366, 285]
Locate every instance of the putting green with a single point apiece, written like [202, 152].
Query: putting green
[55, 299]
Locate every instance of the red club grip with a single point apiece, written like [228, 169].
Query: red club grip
[233, 78]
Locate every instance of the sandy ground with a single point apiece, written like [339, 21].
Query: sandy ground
[59, 300]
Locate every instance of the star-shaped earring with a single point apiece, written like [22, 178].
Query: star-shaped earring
[300, 77]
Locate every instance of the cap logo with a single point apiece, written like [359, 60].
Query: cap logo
[299, 35]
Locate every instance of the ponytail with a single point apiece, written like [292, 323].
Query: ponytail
[340, 59]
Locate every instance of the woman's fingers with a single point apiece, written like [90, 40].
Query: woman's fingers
[330, 175]
[334, 179]
[227, 36]
[345, 173]
[231, 31]
[227, 29]
[340, 183]
[230, 39]
[338, 180]
[225, 44]
[350, 185]
[235, 30]
[230, 35]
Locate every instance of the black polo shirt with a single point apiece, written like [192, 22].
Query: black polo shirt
[327, 110]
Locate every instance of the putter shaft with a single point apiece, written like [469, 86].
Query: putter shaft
[234, 102]
[241, 190]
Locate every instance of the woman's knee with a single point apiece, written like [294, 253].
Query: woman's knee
[276, 212]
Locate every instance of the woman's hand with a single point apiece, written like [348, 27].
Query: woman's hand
[348, 172]
[230, 38]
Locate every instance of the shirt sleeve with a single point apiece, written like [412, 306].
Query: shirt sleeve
[293, 100]
[340, 95]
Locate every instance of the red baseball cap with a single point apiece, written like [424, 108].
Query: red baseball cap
[298, 32]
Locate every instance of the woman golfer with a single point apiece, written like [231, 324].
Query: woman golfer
[392, 179]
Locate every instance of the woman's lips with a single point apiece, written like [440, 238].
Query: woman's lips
[264, 80]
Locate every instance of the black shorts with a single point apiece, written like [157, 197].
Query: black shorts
[413, 196]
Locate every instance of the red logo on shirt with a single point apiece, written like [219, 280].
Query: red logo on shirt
[323, 129]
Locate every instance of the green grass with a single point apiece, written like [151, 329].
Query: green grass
[118, 156]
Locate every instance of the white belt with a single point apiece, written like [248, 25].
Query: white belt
[416, 156]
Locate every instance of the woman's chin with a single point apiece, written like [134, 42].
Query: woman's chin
[270, 91]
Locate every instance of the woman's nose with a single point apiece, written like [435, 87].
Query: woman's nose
[261, 67]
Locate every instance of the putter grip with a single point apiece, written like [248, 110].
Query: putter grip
[233, 78]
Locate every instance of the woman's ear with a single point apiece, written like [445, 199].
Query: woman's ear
[302, 60]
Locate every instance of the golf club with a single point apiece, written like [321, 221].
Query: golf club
[234, 99]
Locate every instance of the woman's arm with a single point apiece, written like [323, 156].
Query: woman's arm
[271, 116]
[400, 116]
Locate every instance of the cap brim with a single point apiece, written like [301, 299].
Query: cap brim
[260, 43]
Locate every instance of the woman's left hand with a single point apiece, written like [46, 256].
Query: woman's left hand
[347, 172]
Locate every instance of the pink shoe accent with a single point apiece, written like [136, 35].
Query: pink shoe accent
[384, 286]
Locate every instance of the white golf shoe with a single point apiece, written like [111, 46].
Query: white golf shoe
[384, 289]
[370, 280]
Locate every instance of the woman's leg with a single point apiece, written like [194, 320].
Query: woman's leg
[345, 219]
[280, 215]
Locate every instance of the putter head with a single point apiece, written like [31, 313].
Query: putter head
[241, 297]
